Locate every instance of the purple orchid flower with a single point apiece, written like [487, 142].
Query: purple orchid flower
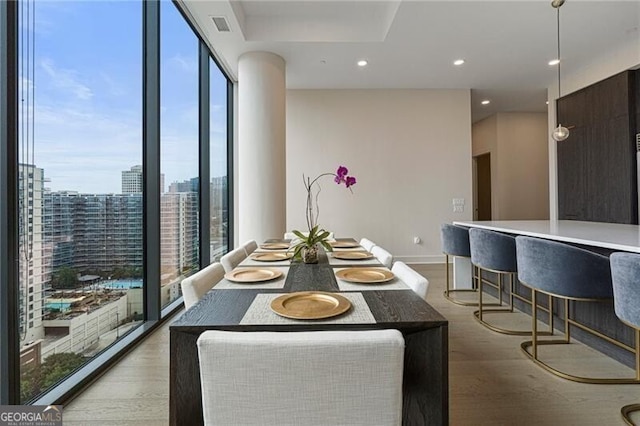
[341, 175]
[350, 181]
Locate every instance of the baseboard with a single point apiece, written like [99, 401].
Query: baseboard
[438, 258]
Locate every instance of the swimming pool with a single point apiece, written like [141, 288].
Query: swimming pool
[121, 284]
[58, 306]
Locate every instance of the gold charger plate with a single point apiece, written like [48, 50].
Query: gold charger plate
[252, 275]
[344, 244]
[271, 257]
[352, 255]
[310, 305]
[274, 246]
[365, 275]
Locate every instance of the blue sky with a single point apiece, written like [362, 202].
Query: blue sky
[88, 95]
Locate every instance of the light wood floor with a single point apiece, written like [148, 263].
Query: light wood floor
[491, 381]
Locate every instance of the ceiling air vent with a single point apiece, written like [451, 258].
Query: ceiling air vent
[221, 24]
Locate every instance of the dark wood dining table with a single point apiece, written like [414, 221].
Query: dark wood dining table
[425, 381]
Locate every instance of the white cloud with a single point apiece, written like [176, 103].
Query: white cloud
[66, 80]
[114, 88]
[186, 64]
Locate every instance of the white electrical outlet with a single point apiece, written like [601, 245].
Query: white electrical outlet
[458, 201]
[416, 240]
[458, 209]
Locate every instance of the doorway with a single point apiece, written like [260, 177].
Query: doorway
[482, 170]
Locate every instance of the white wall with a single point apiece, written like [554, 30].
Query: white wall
[485, 141]
[409, 149]
[517, 142]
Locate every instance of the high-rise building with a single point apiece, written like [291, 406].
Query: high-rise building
[132, 180]
[32, 269]
[94, 233]
[191, 185]
[179, 244]
[219, 202]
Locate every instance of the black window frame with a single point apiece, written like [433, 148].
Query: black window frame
[154, 316]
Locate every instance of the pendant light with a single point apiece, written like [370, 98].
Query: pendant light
[560, 133]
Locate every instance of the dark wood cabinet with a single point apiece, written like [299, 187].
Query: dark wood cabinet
[572, 187]
[597, 163]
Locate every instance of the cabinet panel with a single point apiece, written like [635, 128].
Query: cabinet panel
[572, 187]
[608, 99]
[571, 110]
[609, 171]
[596, 164]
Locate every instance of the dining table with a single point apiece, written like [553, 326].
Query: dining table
[242, 307]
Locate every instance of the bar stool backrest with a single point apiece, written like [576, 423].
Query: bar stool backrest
[493, 250]
[563, 270]
[455, 240]
[625, 273]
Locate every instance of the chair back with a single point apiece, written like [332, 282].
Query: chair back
[230, 260]
[493, 250]
[302, 378]
[455, 240]
[367, 244]
[418, 283]
[563, 270]
[625, 275]
[382, 255]
[250, 246]
[197, 285]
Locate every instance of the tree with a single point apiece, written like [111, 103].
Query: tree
[64, 278]
[35, 380]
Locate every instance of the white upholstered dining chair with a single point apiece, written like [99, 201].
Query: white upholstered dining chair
[232, 259]
[367, 244]
[382, 255]
[418, 283]
[250, 246]
[302, 378]
[197, 285]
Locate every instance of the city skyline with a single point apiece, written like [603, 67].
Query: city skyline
[86, 96]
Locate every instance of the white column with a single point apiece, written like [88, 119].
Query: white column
[261, 146]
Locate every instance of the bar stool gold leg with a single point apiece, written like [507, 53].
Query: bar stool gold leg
[626, 413]
[628, 409]
[530, 349]
[474, 280]
[480, 313]
[534, 325]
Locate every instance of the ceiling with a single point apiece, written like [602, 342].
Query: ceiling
[412, 44]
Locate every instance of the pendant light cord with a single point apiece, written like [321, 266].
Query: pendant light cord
[559, 60]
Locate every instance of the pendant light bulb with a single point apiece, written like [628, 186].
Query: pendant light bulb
[560, 133]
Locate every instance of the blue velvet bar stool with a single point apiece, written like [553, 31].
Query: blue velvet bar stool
[625, 274]
[455, 243]
[571, 274]
[494, 252]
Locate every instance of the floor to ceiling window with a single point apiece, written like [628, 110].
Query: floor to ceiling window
[80, 194]
[86, 105]
[179, 212]
[219, 186]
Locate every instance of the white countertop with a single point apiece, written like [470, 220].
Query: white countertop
[614, 236]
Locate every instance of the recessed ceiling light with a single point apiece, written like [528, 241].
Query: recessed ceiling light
[486, 102]
[458, 62]
[547, 102]
[362, 63]
[554, 62]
